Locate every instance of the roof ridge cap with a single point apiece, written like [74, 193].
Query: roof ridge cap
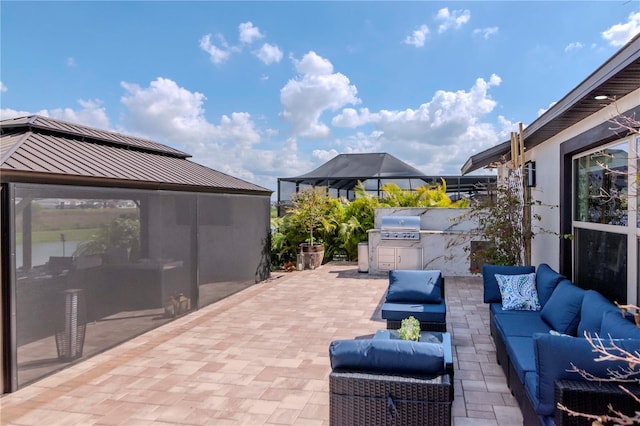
[15, 146]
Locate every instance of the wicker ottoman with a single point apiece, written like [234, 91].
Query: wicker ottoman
[364, 398]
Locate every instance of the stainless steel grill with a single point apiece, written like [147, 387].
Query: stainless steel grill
[400, 228]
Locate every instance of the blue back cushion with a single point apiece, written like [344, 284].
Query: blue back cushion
[491, 289]
[554, 356]
[388, 355]
[614, 325]
[562, 310]
[415, 286]
[594, 305]
[546, 281]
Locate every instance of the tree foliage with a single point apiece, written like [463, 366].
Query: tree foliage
[500, 223]
[120, 233]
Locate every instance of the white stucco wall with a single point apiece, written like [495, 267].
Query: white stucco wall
[545, 248]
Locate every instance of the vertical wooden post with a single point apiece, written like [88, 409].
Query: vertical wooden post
[526, 212]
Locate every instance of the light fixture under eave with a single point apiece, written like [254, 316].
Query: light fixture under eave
[601, 97]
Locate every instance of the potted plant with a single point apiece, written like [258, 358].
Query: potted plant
[309, 207]
[409, 329]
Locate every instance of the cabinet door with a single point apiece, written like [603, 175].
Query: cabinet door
[409, 258]
[386, 258]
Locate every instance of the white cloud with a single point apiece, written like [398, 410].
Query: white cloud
[216, 54]
[8, 113]
[3, 88]
[576, 45]
[323, 156]
[165, 111]
[418, 36]
[313, 64]
[315, 90]
[454, 19]
[619, 34]
[543, 110]
[440, 134]
[486, 32]
[269, 54]
[71, 62]
[171, 114]
[249, 33]
[91, 114]
[349, 117]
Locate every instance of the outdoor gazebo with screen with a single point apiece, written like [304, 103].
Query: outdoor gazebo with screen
[106, 236]
[342, 173]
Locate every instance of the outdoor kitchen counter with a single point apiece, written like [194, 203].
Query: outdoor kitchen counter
[435, 249]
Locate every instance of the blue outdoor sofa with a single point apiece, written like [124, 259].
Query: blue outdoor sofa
[538, 341]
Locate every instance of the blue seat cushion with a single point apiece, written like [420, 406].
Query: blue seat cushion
[428, 312]
[388, 355]
[616, 326]
[554, 357]
[520, 350]
[562, 310]
[594, 305]
[496, 308]
[546, 281]
[414, 286]
[520, 324]
[491, 289]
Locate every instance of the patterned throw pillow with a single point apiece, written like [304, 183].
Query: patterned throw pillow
[518, 292]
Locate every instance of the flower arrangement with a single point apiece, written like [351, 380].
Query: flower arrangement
[410, 329]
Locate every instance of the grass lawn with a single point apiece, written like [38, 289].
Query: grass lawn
[53, 236]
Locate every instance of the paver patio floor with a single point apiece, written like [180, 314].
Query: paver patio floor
[259, 357]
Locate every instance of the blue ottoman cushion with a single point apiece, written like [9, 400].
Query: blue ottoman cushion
[390, 356]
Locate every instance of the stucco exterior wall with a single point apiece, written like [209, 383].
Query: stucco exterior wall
[545, 247]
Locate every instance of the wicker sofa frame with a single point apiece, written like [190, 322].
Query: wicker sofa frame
[592, 398]
[367, 398]
[424, 325]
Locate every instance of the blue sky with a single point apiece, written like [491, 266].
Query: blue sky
[262, 90]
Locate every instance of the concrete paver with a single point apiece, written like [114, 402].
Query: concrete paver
[259, 357]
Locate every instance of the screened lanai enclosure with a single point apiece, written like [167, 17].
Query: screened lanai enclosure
[106, 236]
[342, 174]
